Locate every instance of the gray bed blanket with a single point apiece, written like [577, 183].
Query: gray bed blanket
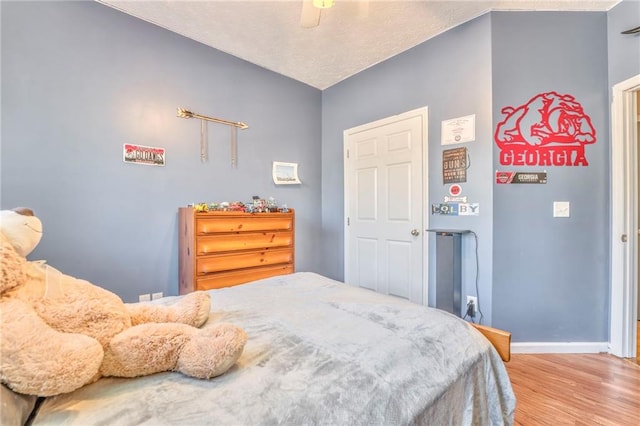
[320, 352]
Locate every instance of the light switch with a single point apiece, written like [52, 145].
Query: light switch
[561, 209]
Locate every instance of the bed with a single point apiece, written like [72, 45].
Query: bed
[320, 352]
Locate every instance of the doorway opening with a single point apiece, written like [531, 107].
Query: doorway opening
[637, 193]
[624, 219]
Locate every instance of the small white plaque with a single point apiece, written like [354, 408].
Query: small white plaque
[285, 173]
[561, 209]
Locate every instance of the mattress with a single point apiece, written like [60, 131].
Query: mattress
[319, 352]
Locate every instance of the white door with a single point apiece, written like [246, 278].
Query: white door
[385, 193]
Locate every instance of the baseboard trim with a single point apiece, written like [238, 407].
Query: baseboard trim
[559, 347]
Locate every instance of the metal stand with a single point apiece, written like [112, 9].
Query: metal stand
[449, 269]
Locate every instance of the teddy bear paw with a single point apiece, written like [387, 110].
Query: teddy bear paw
[212, 351]
[193, 309]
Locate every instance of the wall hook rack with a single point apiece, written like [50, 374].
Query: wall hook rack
[235, 125]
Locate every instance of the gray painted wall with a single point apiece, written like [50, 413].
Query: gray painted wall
[537, 275]
[624, 50]
[451, 75]
[550, 275]
[79, 79]
[624, 56]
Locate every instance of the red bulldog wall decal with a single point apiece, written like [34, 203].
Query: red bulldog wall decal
[549, 130]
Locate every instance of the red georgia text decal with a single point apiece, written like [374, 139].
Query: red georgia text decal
[549, 130]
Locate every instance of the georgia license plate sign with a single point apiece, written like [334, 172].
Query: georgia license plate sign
[521, 177]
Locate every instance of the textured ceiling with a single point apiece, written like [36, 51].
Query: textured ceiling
[352, 36]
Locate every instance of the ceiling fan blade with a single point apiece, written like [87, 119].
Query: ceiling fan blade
[310, 15]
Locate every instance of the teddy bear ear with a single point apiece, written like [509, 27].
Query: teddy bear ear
[12, 266]
[24, 211]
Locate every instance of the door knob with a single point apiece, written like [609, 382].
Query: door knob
[415, 232]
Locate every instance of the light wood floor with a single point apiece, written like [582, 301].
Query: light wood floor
[582, 389]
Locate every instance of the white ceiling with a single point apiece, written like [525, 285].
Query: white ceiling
[352, 36]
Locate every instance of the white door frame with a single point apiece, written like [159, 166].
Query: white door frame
[424, 114]
[624, 220]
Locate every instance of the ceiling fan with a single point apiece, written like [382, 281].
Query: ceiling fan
[312, 9]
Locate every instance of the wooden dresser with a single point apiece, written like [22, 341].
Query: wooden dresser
[222, 248]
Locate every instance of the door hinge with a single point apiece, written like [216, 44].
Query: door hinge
[348, 222]
[347, 154]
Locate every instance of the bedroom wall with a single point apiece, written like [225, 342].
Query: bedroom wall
[79, 79]
[451, 75]
[546, 280]
[550, 276]
[623, 59]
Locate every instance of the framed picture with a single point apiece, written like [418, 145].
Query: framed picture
[285, 173]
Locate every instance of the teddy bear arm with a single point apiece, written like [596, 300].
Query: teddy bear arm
[191, 309]
[38, 360]
[100, 323]
[73, 305]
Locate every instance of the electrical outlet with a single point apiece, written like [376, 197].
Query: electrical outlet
[473, 300]
[144, 298]
[157, 295]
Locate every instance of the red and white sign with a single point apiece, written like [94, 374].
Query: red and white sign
[549, 130]
[140, 154]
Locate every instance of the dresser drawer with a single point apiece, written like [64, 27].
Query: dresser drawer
[231, 261]
[254, 222]
[226, 279]
[224, 248]
[246, 241]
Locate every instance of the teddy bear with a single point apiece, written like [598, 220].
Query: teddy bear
[60, 333]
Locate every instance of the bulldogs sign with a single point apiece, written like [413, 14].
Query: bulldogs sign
[549, 130]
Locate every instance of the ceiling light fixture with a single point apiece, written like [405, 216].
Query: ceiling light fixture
[323, 4]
